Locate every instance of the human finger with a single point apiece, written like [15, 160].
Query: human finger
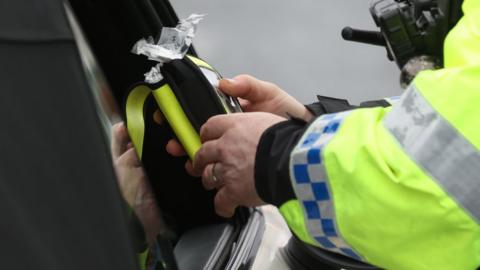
[224, 205]
[158, 117]
[190, 170]
[174, 148]
[129, 181]
[245, 104]
[208, 153]
[209, 178]
[243, 86]
[129, 158]
[216, 126]
[120, 140]
[129, 145]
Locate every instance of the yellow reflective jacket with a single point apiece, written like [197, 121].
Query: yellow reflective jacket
[399, 187]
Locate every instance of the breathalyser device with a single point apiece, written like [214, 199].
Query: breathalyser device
[188, 95]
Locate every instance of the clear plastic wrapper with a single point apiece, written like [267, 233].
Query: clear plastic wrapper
[172, 44]
[154, 75]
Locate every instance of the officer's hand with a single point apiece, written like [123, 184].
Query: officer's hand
[227, 157]
[254, 96]
[260, 96]
[133, 182]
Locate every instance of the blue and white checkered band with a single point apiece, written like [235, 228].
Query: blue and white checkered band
[311, 186]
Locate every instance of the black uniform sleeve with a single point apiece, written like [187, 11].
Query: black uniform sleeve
[332, 105]
[272, 175]
[329, 105]
[375, 103]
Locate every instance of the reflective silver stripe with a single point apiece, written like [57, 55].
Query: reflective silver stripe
[437, 147]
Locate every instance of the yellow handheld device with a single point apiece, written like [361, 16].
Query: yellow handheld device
[187, 96]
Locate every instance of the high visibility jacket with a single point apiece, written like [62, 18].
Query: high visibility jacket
[397, 187]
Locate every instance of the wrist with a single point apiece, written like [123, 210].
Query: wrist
[272, 160]
[149, 216]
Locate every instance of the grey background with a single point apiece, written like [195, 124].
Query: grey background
[295, 44]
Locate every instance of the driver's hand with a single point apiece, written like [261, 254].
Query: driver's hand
[133, 183]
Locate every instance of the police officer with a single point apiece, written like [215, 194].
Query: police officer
[395, 186]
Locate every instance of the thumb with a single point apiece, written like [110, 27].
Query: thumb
[245, 87]
[120, 139]
[224, 205]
